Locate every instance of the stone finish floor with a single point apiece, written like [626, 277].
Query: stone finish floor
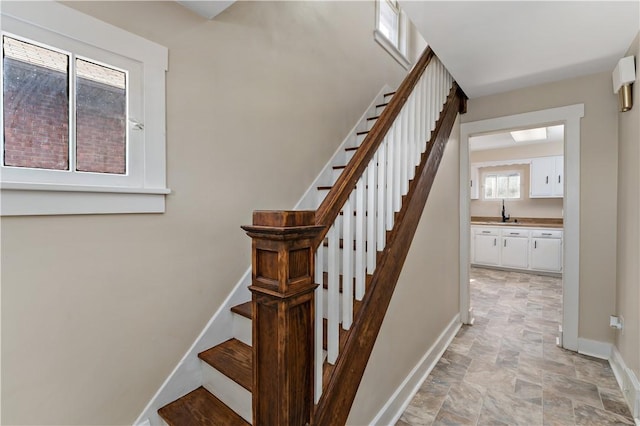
[507, 370]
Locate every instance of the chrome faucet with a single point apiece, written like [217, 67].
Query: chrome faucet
[505, 217]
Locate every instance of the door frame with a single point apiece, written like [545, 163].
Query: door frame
[569, 116]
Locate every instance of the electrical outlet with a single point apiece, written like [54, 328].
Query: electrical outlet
[616, 322]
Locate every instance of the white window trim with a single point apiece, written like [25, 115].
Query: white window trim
[399, 54]
[148, 196]
[501, 173]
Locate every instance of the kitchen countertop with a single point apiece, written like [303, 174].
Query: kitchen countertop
[522, 221]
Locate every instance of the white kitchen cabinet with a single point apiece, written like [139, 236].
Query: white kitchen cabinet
[547, 177]
[486, 246]
[515, 249]
[525, 248]
[474, 183]
[546, 250]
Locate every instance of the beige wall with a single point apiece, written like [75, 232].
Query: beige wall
[97, 310]
[426, 298]
[517, 152]
[628, 288]
[523, 207]
[598, 183]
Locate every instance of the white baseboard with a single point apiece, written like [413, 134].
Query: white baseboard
[628, 383]
[395, 406]
[594, 348]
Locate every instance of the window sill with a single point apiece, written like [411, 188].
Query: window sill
[22, 199]
[393, 51]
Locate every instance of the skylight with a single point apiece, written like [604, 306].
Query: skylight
[530, 135]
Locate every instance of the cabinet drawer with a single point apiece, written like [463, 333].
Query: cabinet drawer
[486, 231]
[546, 233]
[515, 232]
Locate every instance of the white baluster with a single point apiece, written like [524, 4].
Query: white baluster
[397, 169]
[347, 263]
[360, 262]
[424, 114]
[436, 107]
[333, 295]
[319, 354]
[371, 214]
[390, 176]
[380, 192]
[411, 137]
[404, 180]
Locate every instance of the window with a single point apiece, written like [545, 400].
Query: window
[391, 30]
[83, 115]
[502, 185]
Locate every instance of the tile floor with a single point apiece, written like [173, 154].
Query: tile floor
[507, 370]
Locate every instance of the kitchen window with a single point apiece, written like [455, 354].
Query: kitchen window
[502, 186]
[83, 115]
[391, 30]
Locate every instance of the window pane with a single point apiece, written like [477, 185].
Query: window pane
[490, 187]
[35, 105]
[502, 186]
[101, 117]
[514, 186]
[388, 22]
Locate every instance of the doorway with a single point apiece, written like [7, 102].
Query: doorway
[569, 117]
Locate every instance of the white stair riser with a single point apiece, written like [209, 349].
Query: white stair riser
[242, 329]
[227, 391]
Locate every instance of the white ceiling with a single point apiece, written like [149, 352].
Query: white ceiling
[505, 140]
[495, 46]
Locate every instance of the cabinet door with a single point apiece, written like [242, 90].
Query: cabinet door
[486, 250]
[541, 177]
[546, 254]
[475, 183]
[515, 252]
[558, 181]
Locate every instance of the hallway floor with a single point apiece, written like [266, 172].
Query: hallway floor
[507, 370]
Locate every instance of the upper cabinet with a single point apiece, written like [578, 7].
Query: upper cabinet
[547, 177]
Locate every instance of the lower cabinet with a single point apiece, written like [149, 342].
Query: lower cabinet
[515, 252]
[546, 251]
[487, 250]
[533, 249]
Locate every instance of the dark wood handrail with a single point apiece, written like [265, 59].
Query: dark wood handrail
[340, 391]
[340, 191]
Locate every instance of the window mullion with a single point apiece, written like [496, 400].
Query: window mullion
[72, 113]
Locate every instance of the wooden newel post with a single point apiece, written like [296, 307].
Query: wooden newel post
[283, 316]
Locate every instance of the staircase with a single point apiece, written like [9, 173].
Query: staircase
[300, 348]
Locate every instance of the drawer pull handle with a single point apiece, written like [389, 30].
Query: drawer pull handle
[547, 233]
[514, 233]
[486, 232]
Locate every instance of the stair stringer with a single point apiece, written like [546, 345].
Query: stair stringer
[187, 375]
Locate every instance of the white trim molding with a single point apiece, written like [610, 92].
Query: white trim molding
[395, 406]
[569, 116]
[594, 348]
[142, 189]
[628, 383]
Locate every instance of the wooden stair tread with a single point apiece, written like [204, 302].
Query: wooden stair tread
[245, 309]
[373, 118]
[383, 104]
[232, 358]
[338, 167]
[351, 148]
[389, 94]
[200, 407]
